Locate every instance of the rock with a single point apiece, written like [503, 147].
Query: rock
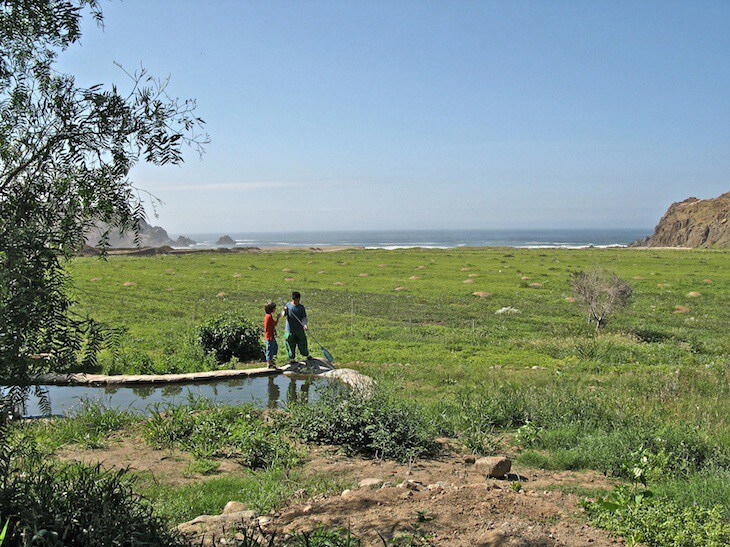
[350, 377]
[149, 236]
[346, 493]
[370, 483]
[468, 281]
[473, 275]
[436, 487]
[128, 284]
[482, 294]
[692, 223]
[363, 275]
[694, 294]
[233, 507]
[681, 309]
[264, 521]
[525, 278]
[506, 309]
[183, 241]
[410, 485]
[415, 277]
[225, 240]
[399, 289]
[307, 508]
[494, 467]
[406, 495]
[536, 284]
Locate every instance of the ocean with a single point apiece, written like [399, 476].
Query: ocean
[436, 239]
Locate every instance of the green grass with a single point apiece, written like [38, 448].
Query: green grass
[651, 392]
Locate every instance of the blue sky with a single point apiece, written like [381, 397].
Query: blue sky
[406, 115]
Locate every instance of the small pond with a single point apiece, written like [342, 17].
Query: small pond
[262, 391]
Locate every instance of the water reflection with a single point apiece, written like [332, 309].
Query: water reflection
[270, 391]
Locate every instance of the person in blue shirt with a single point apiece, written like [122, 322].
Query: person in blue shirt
[296, 327]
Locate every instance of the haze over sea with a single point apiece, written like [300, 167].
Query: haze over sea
[437, 239]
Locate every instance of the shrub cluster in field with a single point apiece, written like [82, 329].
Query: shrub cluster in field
[49, 503]
[209, 431]
[369, 422]
[231, 336]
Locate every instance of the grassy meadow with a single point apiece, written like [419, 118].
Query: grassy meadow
[645, 401]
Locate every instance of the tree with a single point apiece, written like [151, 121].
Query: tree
[601, 292]
[65, 158]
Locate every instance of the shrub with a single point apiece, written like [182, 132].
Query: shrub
[601, 292]
[229, 336]
[371, 423]
[641, 517]
[51, 503]
[209, 431]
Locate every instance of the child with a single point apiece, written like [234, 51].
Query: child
[295, 327]
[270, 322]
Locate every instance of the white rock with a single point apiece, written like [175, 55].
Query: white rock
[233, 507]
[495, 467]
[370, 483]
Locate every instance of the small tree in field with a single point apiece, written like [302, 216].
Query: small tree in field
[601, 292]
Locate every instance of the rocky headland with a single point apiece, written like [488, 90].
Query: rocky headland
[149, 236]
[692, 223]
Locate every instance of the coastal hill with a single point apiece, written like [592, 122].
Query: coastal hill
[692, 223]
[149, 236]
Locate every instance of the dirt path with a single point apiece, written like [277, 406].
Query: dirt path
[445, 500]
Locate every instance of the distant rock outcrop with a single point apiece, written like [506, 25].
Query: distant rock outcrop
[183, 241]
[225, 240]
[149, 236]
[692, 223]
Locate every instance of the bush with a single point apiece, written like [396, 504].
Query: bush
[229, 336]
[641, 517]
[50, 503]
[210, 431]
[371, 423]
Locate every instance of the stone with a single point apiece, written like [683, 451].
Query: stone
[436, 487]
[410, 485]
[370, 483]
[494, 467]
[307, 508]
[129, 284]
[263, 521]
[233, 507]
[468, 281]
[482, 294]
[694, 294]
[346, 493]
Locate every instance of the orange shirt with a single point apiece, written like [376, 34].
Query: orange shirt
[269, 327]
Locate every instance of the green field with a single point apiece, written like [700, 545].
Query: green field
[648, 399]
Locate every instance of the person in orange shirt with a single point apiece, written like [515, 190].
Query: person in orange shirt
[272, 346]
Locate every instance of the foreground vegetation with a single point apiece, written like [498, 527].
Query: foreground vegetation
[646, 401]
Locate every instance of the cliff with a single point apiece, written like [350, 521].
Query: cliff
[692, 223]
[149, 236]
